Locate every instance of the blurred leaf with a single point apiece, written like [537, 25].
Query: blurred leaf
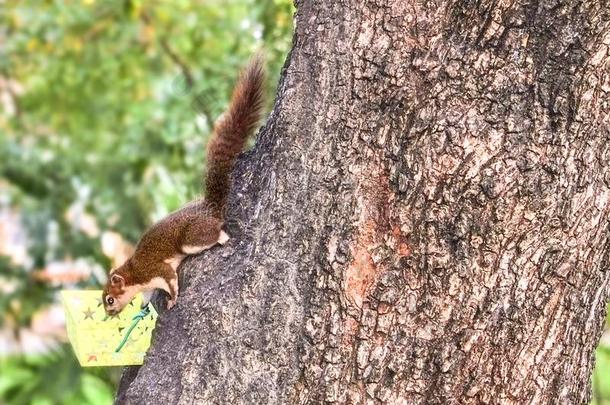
[96, 391]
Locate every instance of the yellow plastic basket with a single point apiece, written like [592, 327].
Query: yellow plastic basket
[95, 337]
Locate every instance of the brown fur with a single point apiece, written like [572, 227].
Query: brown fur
[231, 132]
[198, 224]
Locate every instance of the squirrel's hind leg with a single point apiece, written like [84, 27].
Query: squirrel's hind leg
[203, 234]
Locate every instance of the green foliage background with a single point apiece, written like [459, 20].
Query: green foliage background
[118, 98]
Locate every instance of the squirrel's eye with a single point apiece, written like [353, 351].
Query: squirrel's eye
[110, 300]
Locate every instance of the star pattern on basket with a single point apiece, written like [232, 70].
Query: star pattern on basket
[95, 335]
[88, 313]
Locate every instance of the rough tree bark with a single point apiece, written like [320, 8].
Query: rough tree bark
[423, 220]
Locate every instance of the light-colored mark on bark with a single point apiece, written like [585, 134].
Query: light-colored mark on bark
[373, 229]
[400, 244]
[362, 272]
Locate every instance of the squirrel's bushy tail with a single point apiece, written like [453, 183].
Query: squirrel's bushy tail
[232, 130]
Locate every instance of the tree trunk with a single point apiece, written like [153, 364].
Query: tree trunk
[423, 220]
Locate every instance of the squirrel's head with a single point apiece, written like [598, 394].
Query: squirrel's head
[117, 293]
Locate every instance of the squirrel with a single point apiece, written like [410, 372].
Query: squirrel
[197, 226]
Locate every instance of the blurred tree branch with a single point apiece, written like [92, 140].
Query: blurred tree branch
[182, 65]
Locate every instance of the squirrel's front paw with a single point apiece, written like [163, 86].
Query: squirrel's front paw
[171, 303]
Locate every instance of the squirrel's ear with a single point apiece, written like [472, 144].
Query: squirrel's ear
[115, 279]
